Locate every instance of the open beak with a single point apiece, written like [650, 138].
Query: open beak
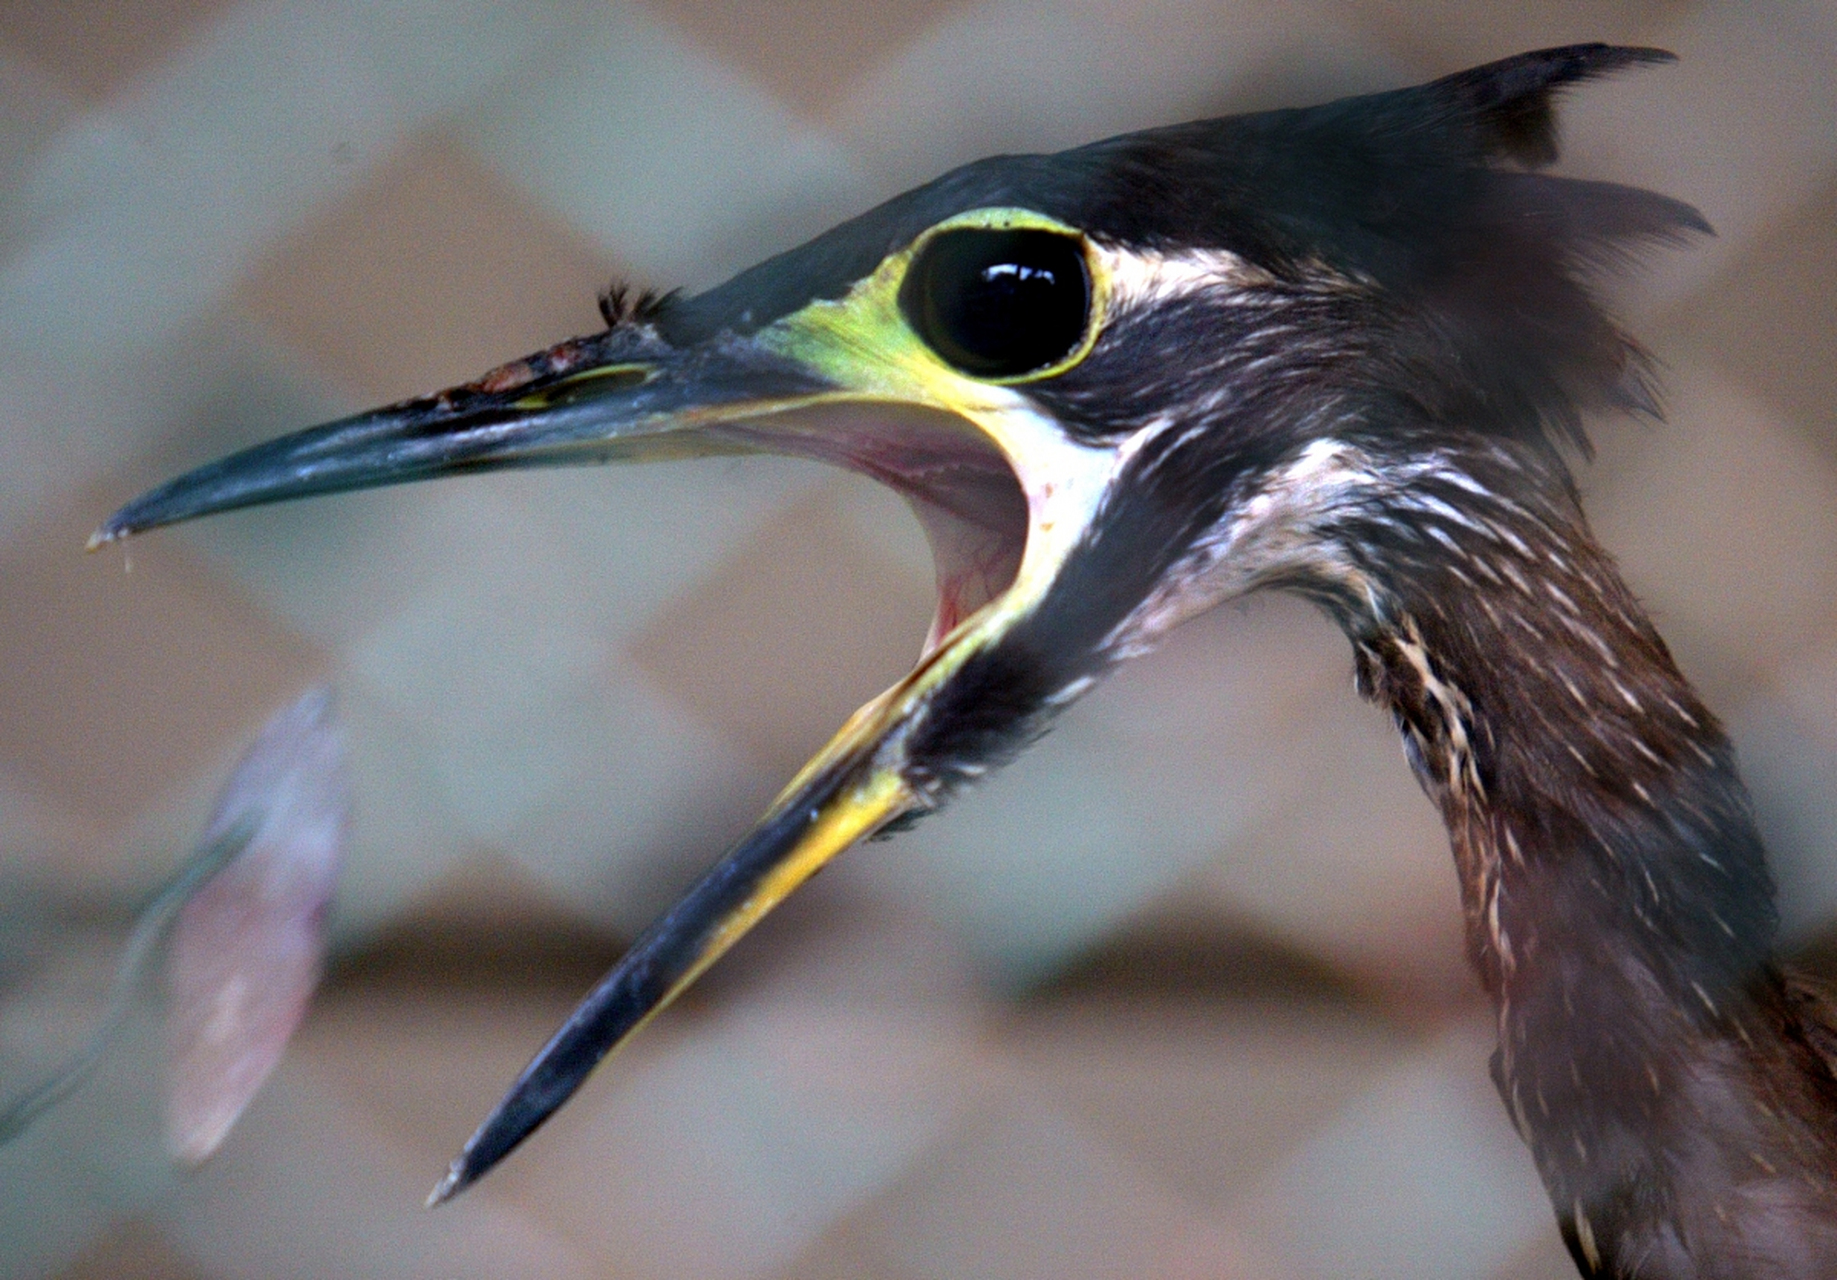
[1002, 498]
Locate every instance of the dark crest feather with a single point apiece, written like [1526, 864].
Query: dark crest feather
[1428, 195]
[1512, 102]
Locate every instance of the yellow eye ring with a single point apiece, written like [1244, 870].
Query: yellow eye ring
[987, 292]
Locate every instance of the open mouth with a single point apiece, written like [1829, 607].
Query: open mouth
[999, 496]
[966, 495]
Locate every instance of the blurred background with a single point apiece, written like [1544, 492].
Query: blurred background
[1179, 994]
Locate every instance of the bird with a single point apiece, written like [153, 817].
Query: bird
[1346, 351]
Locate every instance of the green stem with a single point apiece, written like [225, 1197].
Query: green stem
[20, 1114]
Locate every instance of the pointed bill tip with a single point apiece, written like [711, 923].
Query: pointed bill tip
[451, 1185]
[124, 523]
[842, 798]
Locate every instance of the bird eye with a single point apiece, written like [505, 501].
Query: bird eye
[996, 304]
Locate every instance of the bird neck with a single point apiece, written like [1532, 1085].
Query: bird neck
[1588, 793]
[1617, 901]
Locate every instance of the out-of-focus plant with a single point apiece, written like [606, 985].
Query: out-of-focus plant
[246, 916]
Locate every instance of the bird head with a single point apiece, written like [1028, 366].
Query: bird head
[1117, 385]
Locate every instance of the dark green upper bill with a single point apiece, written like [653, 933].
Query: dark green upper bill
[624, 393]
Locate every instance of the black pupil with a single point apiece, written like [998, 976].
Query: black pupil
[996, 304]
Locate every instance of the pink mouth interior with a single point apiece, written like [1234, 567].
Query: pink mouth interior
[966, 496]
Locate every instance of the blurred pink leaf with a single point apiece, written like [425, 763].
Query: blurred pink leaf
[249, 944]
